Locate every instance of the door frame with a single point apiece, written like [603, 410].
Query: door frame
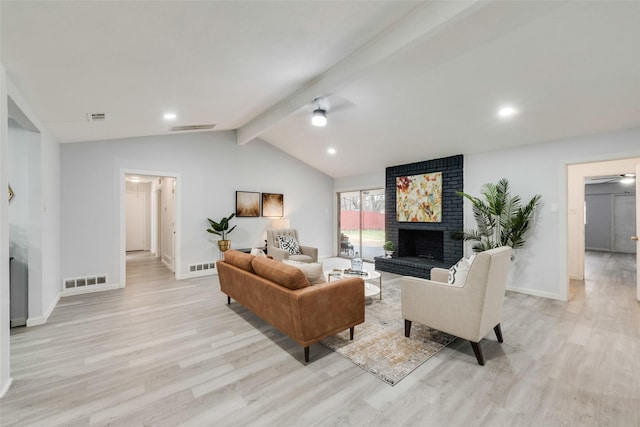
[572, 240]
[122, 212]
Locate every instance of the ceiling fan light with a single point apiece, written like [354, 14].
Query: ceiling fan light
[319, 117]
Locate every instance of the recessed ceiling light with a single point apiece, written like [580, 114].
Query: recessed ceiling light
[134, 179]
[170, 116]
[331, 151]
[507, 111]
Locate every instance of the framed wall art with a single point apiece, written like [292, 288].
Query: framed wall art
[419, 198]
[247, 204]
[272, 205]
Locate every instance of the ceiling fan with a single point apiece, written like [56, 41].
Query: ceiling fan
[322, 105]
[626, 178]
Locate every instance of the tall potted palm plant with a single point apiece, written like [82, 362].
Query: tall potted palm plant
[221, 228]
[501, 219]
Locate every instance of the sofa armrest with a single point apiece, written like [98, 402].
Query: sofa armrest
[324, 310]
[277, 253]
[312, 252]
[440, 275]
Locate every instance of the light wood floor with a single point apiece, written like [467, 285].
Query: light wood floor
[166, 352]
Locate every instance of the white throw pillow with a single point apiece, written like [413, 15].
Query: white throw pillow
[289, 244]
[312, 270]
[459, 272]
[258, 252]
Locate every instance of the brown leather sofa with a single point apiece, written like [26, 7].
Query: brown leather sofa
[281, 295]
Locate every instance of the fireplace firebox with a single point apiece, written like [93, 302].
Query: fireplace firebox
[424, 244]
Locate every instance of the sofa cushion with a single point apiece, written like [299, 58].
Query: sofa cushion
[301, 258]
[239, 259]
[289, 244]
[313, 270]
[282, 274]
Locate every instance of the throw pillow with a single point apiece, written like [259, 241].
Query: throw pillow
[312, 270]
[258, 252]
[289, 244]
[459, 272]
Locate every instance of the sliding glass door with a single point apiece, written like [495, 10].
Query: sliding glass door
[361, 223]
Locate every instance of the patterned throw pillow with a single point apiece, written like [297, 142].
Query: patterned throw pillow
[289, 244]
[458, 273]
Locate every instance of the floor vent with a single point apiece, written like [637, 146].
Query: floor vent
[202, 267]
[83, 282]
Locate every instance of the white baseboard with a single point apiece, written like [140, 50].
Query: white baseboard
[41, 320]
[90, 289]
[201, 273]
[5, 387]
[536, 293]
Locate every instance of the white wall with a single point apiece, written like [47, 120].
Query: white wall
[210, 168]
[45, 284]
[23, 146]
[5, 378]
[45, 235]
[541, 267]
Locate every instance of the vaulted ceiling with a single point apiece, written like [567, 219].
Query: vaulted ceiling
[403, 81]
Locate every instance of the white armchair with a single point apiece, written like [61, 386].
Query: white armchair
[469, 311]
[308, 253]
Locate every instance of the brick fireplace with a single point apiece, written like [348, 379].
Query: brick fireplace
[423, 245]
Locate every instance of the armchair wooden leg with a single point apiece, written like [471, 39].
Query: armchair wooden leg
[407, 327]
[228, 300]
[306, 354]
[351, 329]
[498, 332]
[478, 352]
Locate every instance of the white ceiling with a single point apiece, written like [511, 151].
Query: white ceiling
[405, 81]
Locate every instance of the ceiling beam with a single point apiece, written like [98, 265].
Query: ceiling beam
[423, 21]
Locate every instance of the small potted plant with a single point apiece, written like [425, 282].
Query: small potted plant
[222, 229]
[389, 247]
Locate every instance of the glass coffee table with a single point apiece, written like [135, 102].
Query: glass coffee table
[369, 288]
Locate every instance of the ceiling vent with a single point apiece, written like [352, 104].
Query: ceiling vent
[191, 127]
[96, 117]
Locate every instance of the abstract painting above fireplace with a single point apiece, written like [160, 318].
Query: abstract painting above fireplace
[419, 198]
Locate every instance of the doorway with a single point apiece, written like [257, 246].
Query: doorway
[361, 224]
[150, 218]
[602, 215]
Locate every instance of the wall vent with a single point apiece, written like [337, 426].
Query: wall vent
[96, 117]
[84, 282]
[191, 127]
[193, 268]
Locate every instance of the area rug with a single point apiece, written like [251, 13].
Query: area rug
[379, 345]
